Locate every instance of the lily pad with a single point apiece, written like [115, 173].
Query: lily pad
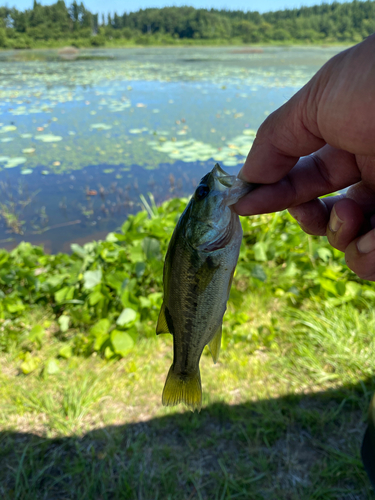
[26, 171]
[28, 150]
[48, 138]
[101, 126]
[250, 132]
[7, 128]
[15, 162]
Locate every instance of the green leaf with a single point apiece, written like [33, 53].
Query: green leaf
[116, 280]
[63, 322]
[121, 342]
[66, 352]
[144, 302]
[127, 316]
[258, 273]
[140, 269]
[100, 340]
[111, 237]
[51, 367]
[341, 288]
[95, 297]
[92, 278]
[100, 328]
[108, 353]
[15, 305]
[36, 334]
[30, 364]
[56, 279]
[77, 249]
[66, 293]
[100, 332]
[151, 248]
[260, 251]
[324, 253]
[328, 285]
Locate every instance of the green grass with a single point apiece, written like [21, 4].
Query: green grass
[85, 43]
[281, 419]
[284, 409]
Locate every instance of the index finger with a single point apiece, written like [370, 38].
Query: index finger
[287, 134]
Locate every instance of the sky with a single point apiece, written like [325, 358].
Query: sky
[120, 6]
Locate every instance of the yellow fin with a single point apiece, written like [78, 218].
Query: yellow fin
[162, 326]
[215, 345]
[179, 389]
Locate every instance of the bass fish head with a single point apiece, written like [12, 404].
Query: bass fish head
[209, 218]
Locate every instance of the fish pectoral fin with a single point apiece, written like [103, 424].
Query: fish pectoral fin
[162, 326]
[215, 344]
[183, 389]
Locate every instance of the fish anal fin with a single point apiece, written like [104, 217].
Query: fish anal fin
[162, 326]
[183, 389]
[215, 345]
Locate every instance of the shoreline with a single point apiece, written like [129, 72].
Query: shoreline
[250, 48]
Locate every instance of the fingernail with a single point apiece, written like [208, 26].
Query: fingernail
[366, 244]
[335, 222]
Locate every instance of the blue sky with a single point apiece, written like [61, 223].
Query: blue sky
[120, 6]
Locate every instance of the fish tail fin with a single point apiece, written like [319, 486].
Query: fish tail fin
[183, 389]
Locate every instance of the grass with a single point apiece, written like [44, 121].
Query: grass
[280, 421]
[85, 43]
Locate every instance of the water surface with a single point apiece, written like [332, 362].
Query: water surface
[81, 140]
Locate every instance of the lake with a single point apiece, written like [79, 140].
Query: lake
[87, 138]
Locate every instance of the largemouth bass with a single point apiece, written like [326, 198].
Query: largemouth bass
[198, 273]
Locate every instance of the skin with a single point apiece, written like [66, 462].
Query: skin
[331, 123]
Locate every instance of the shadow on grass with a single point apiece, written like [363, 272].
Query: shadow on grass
[293, 447]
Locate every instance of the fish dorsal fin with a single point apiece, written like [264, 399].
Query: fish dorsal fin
[162, 326]
[215, 345]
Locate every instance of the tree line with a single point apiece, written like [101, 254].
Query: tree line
[58, 23]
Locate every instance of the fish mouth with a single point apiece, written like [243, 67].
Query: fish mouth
[222, 179]
[233, 187]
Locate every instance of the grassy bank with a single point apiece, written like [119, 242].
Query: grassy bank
[85, 43]
[281, 422]
[82, 372]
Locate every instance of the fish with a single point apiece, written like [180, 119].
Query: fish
[197, 277]
[368, 444]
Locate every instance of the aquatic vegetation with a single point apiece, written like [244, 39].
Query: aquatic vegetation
[15, 162]
[164, 110]
[110, 291]
[8, 213]
[56, 102]
[48, 138]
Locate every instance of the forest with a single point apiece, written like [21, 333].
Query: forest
[58, 25]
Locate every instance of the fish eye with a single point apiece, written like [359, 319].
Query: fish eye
[201, 192]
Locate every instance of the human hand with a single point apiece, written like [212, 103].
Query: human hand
[332, 119]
